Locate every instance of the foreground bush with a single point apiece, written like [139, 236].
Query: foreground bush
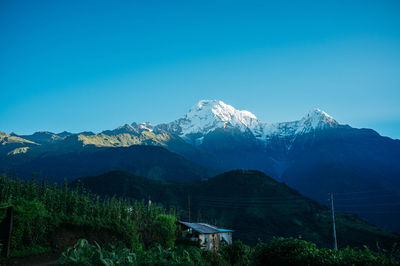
[165, 230]
[42, 210]
[237, 253]
[291, 251]
[280, 251]
[84, 253]
[30, 222]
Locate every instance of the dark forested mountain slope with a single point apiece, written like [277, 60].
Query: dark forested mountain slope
[149, 161]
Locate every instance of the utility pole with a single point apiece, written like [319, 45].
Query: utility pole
[189, 206]
[333, 223]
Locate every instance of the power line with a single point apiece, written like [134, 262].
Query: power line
[372, 212]
[249, 198]
[260, 204]
[369, 205]
[241, 207]
[257, 202]
[359, 192]
[370, 197]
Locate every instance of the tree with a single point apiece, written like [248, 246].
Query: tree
[165, 230]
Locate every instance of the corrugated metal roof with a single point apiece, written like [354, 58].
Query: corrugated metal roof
[216, 228]
[204, 228]
[201, 228]
[224, 230]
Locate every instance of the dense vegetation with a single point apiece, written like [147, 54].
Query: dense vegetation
[129, 232]
[51, 217]
[249, 202]
[279, 251]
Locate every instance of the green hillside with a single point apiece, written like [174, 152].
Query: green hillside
[47, 219]
[249, 202]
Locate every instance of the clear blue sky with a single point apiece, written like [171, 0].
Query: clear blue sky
[95, 65]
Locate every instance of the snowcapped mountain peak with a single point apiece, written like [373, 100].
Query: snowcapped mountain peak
[208, 115]
[221, 111]
[206, 103]
[147, 126]
[318, 119]
[316, 112]
[134, 128]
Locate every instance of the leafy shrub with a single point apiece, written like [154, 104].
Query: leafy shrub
[165, 230]
[237, 253]
[364, 257]
[84, 253]
[214, 259]
[30, 222]
[285, 251]
[280, 251]
[291, 251]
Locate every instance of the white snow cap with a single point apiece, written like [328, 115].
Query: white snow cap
[208, 115]
[147, 126]
[317, 118]
[210, 111]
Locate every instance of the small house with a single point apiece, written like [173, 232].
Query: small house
[210, 237]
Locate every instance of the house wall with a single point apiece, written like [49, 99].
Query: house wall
[210, 241]
[202, 239]
[227, 236]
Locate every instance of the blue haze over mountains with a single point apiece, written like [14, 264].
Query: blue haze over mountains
[314, 155]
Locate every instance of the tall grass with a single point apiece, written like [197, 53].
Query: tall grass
[41, 209]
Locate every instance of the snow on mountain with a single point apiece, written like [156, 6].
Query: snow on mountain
[134, 128]
[316, 119]
[147, 126]
[209, 115]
